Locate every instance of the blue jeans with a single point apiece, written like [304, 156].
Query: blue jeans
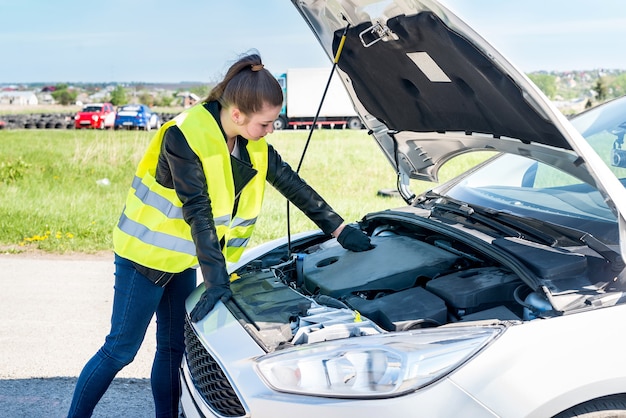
[135, 301]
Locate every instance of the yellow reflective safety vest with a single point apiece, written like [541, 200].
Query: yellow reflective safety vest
[151, 230]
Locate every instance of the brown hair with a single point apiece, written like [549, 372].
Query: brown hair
[248, 86]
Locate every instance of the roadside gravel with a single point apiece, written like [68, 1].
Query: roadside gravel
[55, 314]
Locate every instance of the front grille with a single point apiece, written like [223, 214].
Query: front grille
[209, 378]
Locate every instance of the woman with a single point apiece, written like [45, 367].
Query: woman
[194, 201]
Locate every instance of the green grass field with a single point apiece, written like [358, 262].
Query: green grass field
[52, 199]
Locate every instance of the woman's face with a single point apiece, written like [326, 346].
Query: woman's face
[258, 124]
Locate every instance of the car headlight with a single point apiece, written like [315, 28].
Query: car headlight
[376, 366]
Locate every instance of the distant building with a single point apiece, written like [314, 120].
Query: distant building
[99, 96]
[45, 98]
[572, 107]
[18, 98]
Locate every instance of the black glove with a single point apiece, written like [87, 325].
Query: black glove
[208, 300]
[354, 240]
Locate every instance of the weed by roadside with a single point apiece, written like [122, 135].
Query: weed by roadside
[11, 171]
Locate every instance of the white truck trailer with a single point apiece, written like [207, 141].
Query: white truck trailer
[303, 89]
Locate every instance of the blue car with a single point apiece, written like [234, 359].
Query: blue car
[136, 116]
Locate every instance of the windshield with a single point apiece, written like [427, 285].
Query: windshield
[131, 108]
[604, 129]
[92, 108]
[528, 188]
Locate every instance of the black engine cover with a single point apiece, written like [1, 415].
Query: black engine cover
[394, 264]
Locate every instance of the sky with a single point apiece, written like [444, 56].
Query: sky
[196, 40]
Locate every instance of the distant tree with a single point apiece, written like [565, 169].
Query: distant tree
[163, 100]
[202, 91]
[600, 88]
[118, 96]
[545, 82]
[147, 99]
[619, 85]
[63, 95]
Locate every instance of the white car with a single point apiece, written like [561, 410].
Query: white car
[498, 294]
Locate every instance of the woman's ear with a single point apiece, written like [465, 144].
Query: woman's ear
[236, 116]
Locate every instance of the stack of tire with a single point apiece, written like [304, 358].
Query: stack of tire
[37, 121]
[50, 120]
[166, 116]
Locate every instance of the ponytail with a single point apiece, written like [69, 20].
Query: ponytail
[248, 86]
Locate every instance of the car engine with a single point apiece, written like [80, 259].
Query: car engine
[407, 281]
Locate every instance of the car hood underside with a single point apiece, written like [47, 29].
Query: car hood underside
[438, 82]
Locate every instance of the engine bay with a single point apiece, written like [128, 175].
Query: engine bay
[409, 280]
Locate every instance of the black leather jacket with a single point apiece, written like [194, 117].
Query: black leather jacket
[180, 168]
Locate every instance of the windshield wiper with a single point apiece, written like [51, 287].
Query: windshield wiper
[614, 258]
[514, 226]
[501, 222]
[609, 254]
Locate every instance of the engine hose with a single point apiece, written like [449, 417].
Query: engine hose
[330, 302]
[519, 300]
[419, 324]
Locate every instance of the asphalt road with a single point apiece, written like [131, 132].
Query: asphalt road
[55, 314]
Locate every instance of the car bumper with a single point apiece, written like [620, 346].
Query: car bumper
[86, 124]
[131, 124]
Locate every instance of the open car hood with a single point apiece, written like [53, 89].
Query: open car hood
[429, 88]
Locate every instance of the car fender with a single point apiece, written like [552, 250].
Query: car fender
[519, 360]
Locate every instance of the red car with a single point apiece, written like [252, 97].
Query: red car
[96, 116]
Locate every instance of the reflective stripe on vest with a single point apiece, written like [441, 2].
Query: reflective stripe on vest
[166, 207]
[159, 239]
[155, 200]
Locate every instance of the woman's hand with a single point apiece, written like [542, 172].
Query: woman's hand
[352, 239]
[208, 300]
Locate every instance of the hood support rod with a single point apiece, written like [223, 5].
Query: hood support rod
[314, 124]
